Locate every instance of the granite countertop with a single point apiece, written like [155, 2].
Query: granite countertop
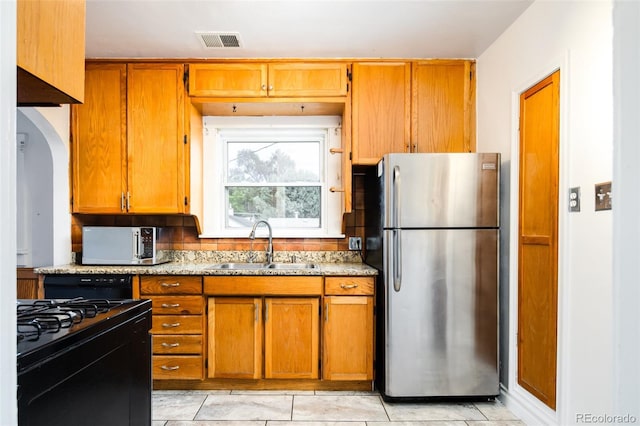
[179, 268]
[200, 263]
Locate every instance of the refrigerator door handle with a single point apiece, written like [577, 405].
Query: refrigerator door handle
[397, 260]
[397, 249]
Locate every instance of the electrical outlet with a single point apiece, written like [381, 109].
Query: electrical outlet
[355, 243]
[574, 199]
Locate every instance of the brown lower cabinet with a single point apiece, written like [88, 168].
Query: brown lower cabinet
[214, 331]
[347, 331]
[285, 329]
[178, 327]
[348, 338]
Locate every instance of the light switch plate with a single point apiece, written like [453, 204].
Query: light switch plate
[574, 199]
[603, 196]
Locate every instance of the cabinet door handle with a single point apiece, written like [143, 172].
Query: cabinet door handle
[172, 325]
[326, 312]
[170, 345]
[170, 305]
[128, 201]
[166, 285]
[122, 203]
[264, 87]
[170, 367]
[348, 286]
[256, 308]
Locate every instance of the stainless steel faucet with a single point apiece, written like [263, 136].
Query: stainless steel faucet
[252, 236]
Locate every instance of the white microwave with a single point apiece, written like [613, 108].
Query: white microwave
[120, 245]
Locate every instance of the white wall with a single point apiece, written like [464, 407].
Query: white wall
[575, 37]
[626, 214]
[48, 171]
[8, 406]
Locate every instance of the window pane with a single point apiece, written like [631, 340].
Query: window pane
[270, 162]
[282, 206]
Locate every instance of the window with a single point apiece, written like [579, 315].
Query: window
[278, 169]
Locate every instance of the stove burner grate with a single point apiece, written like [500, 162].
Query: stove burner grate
[36, 317]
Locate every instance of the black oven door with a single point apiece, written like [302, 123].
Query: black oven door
[103, 380]
[70, 286]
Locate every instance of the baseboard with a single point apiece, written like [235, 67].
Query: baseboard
[519, 405]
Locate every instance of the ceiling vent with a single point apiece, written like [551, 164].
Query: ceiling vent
[219, 39]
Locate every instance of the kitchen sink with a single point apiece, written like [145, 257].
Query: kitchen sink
[236, 266]
[292, 266]
[254, 266]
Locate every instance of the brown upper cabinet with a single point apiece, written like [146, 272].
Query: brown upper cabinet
[50, 51]
[443, 106]
[129, 141]
[268, 79]
[381, 110]
[424, 106]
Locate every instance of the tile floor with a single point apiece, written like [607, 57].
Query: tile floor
[316, 408]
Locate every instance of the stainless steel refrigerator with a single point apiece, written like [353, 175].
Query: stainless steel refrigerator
[432, 231]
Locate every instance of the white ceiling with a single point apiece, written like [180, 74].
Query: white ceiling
[298, 28]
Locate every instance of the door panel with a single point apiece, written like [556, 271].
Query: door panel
[441, 326]
[235, 337]
[348, 338]
[155, 126]
[99, 141]
[538, 239]
[291, 334]
[443, 113]
[381, 110]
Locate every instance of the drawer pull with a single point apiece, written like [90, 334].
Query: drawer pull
[170, 305]
[170, 345]
[172, 325]
[348, 286]
[170, 367]
[170, 285]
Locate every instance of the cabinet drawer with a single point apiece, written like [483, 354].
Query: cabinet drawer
[177, 344]
[263, 285]
[177, 367]
[177, 305]
[170, 284]
[348, 285]
[177, 324]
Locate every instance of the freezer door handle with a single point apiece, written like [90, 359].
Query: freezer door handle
[396, 197]
[397, 260]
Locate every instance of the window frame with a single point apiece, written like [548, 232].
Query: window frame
[218, 131]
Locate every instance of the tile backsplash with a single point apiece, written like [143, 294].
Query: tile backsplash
[179, 231]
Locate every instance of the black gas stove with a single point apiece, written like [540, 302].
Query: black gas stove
[84, 358]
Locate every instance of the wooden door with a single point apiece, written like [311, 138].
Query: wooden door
[155, 138]
[381, 110]
[538, 239]
[291, 338]
[235, 337]
[443, 106]
[307, 79]
[228, 80]
[348, 338]
[98, 141]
